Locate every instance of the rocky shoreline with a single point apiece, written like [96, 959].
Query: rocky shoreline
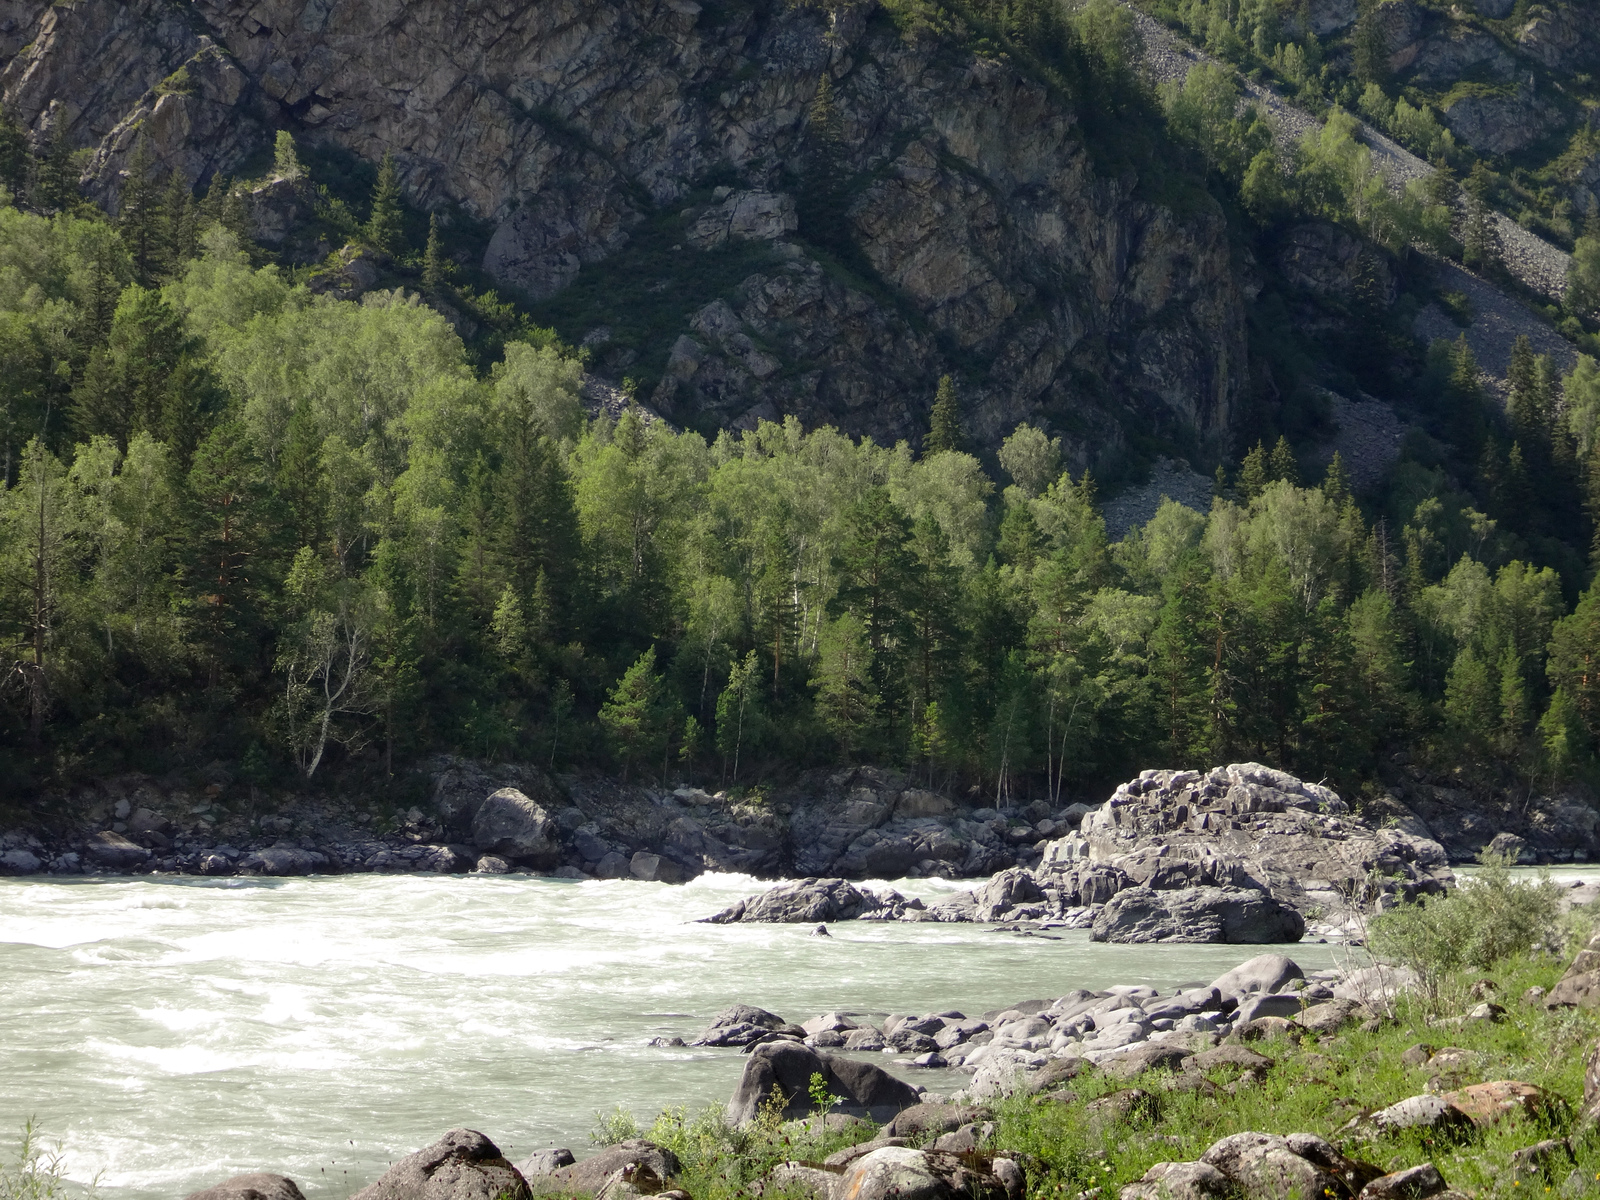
[1241, 853]
[802, 1085]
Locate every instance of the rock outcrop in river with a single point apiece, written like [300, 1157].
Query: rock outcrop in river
[1242, 853]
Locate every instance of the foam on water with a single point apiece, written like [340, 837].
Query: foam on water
[173, 1032]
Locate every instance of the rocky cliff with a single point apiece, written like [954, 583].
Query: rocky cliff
[661, 146]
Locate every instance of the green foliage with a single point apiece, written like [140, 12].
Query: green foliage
[385, 229]
[1583, 277]
[944, 423]
[1490, 918]
[38, 1172]
[610, 1128]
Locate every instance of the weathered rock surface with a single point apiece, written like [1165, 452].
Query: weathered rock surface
[561, 128]
[901, 1173]
[1579, 987]
[462, 1165]
[1244, 826]
[1197, 914]
[589, 1176]
[510, 825]
[259, 1185]
[866, 1090]
[808, 901]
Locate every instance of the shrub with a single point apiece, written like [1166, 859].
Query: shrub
[618, 1125]
[36, 1173]
[1488, 919]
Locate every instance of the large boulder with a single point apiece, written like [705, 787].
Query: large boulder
[1181, 1181]
[462, 1165]
[1263, 973]
[1580, 986]
[901, 1173]
[1197, 914]
[1246, 826]
[19, 862]
[865, 1090]
[256, 1186]
[739, 1025]
[284, 860]
[589, 1176]
[1265, 1167]
[815, 901]
[517, 829]
[108, 849]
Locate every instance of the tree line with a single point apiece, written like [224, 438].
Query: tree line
[307, 535]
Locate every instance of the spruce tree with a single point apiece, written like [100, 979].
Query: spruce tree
[435, 267]
[944, 429]
[385, 227]
[139, 216]
[1253, 477]
[1480, 237]
[639, 714]
[1522, 380]
[1283, 465]
[285, 159]
[14, 157]
[1336, 482]
[55, 182]
[1368, 52]
[179, 240]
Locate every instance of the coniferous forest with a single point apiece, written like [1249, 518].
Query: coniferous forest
[323, 539]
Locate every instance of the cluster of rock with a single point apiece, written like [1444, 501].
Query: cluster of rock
[1242, 854]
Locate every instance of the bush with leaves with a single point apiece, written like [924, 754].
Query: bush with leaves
[1489, 918]
[37, 1172]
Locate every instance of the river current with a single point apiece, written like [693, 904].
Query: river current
[172, 1032]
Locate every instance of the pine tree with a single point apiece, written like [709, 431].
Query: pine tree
[1480, 237]
[139, 216]
[1253, 476]
[15, 159]
[1282, 465]
[944, 427]
[385, 229]
[1522, 380]
[1370, 61]
[179, 240]
[55, 182]
[1336, 482]
[639, 715]
[435, 267]
[1514, 712]
[285, 158]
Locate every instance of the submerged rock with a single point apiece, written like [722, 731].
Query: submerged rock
[810, 901]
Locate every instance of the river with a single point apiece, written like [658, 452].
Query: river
[171, 1032]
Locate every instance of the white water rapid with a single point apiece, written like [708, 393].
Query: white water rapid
[173, 1032]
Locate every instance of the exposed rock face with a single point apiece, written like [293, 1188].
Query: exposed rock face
[567, 127]
[1246, 826]
[1580, 986]
[462, 1165]
[1323, 259]
[515, 828]
[1502, 124]
[1198, 914]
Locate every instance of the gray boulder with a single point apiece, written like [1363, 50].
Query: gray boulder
[589, 1176]
[19, 862]
[813, 901]
[281, 860]
[901, 1173]
[1264, 1167]
[1270, 1004]
[1414, 1112]
[739, 1025]
[1181, 1181]
[462, 1165]
[107, 849]
[866, 1090]
[1198, 914]
[513, 827]
[1263, 973]
[543, 1162]
[1414, 1183]
[257, 1186]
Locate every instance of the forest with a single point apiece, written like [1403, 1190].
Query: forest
[320, 539]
